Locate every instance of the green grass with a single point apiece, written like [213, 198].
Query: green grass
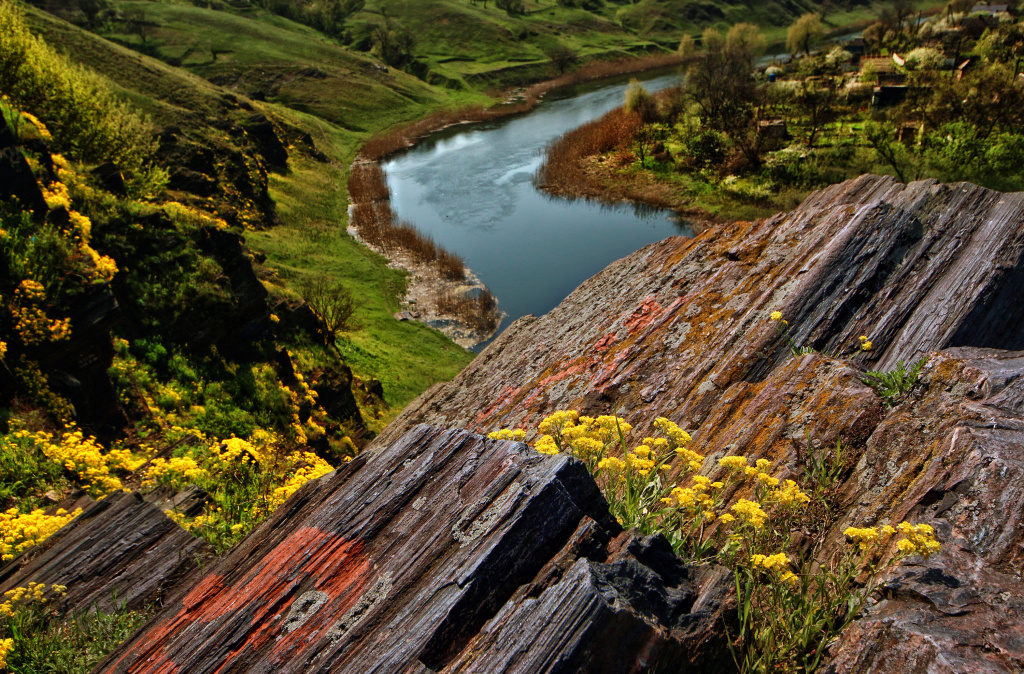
[70, 645]
[406, 357]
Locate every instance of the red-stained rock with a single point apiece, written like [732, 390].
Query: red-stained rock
[442, 552]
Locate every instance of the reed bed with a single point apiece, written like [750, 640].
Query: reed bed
[380, 228]
[563, 170]
[566, 171]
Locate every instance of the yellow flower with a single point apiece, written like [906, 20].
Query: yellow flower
[546, 445]
[866, 346]
[750, 512]
[611, 464]
[733, 462]
[790, 494]
[863, 538]
[508, 434]
[763, 464]
[776, 316]
[726, 518]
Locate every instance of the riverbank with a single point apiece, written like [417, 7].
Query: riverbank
[452, 300]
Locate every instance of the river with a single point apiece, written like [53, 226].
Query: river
[471, 189]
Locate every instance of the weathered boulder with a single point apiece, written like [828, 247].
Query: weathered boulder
[952, 457]
[121, 550]
[448, 552]
[668, 329]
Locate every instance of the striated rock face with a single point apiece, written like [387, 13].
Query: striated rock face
[953, 457]
[668, 329]
[444, 552]
[120, 550]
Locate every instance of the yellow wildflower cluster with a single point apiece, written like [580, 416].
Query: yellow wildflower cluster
[41, 129]
[776, 562]
[304, 392]
[777, 565]
[918, 539]
[56, 195]
[750, 512]
[695, 498]
[21, 596]
[235, 451]
[776, 316]
[33, 325]
[18, 532]
[516, 434]
[6, 646]
[790, 495]
[105, 266]
[176, 471]
[310, 467]
[179, 212]
[3, 349]
[865, 343]
[586, 438]
[84, 456]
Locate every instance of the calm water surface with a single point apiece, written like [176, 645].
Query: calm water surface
[471, 188]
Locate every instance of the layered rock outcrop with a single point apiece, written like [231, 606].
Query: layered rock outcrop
[443, 552]
[681, 329]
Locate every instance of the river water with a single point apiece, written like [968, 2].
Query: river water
[471, 189]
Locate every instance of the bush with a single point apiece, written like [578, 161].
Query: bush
[87, 120]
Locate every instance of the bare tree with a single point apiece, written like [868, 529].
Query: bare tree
[331, 302]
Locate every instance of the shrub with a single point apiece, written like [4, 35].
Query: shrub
[87, 120]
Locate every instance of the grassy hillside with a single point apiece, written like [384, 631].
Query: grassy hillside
[309, 193]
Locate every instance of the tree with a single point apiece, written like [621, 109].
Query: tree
[804, 32]
[722, 86]
[722, 83]
[392, 43]
[687, 46]
[817, 103]
[331, 302]
[639, 100]
[563, 57]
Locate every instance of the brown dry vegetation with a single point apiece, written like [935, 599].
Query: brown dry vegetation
[569, 169]
[379, 227]
[480, 312]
